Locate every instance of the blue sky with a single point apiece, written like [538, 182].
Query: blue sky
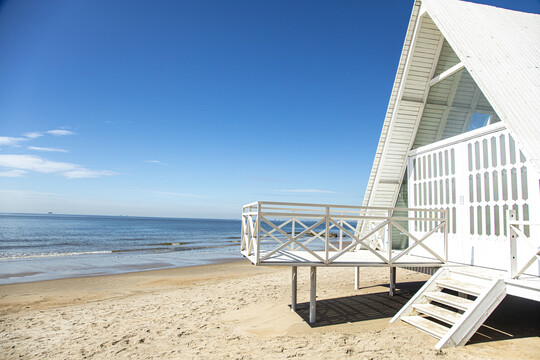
[193, 108]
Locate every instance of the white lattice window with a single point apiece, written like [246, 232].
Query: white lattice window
[477, 176]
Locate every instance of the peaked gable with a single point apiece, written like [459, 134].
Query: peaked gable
[498, 48]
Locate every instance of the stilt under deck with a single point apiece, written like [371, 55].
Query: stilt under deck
[356, 259]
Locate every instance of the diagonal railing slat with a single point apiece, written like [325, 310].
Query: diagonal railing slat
[360, 241]
[418, 241]
[291, 240]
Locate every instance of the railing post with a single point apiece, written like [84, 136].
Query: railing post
[341, 233]
[293, 227]
[327, 237]
[242, 245]
[512, 242]
[258, 250]
[389, 242]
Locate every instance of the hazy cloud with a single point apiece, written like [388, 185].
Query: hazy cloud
[60, 132]
[12, 173]
[37, 148]
[31, 194]
[33, 135]
[316, 191]
[40, 165]
[85, 173]
[154, 162]
[11, 141]
[167, 193]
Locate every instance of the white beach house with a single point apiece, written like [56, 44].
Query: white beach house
[455, 185]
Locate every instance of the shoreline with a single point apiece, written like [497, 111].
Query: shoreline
[236, 310]
[141, 269]
[34, 269]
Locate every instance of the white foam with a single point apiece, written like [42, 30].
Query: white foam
[54, 255]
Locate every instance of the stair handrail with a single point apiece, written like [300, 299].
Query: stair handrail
[514, 232]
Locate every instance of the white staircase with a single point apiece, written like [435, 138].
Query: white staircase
[452, 305]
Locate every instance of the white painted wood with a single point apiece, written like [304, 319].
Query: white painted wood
[450, 300]
[475, 316]
[454, 69]
[461, 286]
[437, 312]
[475, 186]
[462, 325]
[430, 285]
[427, 326]
[315, 239]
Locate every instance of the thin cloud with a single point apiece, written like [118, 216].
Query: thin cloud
[44, 166]
[167, 193]
[60, 132]
[12, 173]
[31, 194]
[85, 173]
[311, 191]
[157, 162]
[33, 135]
[47, 149]
[11, 141]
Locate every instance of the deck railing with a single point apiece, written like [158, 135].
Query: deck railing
[327, 232]
[519, 230]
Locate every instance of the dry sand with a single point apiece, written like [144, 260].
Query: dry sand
[238, 311]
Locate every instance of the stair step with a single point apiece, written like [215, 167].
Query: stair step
[450, 300]
[426, 325]
[439, 313]
[461, 286]
[475, 274]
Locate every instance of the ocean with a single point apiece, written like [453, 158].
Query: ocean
[36, 247]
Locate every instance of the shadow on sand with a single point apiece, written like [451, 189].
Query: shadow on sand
[357, 308]
[514, 318]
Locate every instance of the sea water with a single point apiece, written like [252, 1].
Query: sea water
[41, 247]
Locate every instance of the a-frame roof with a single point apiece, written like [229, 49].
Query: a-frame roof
[501, 51]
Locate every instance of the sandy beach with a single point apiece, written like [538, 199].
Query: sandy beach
[238, 311]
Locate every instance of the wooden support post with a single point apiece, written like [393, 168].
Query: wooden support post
[294, 282]
[357, 278]
[392, 280]
[312, 293]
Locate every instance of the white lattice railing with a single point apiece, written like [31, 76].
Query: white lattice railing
[520, 261]
[327, 232]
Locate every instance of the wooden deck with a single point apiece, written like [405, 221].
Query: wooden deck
[360, 258]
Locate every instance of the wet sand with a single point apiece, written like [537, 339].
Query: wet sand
[238, 311]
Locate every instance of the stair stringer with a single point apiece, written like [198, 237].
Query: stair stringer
[473, 318]
[418, 298]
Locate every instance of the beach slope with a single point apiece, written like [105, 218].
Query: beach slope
[237, 311]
